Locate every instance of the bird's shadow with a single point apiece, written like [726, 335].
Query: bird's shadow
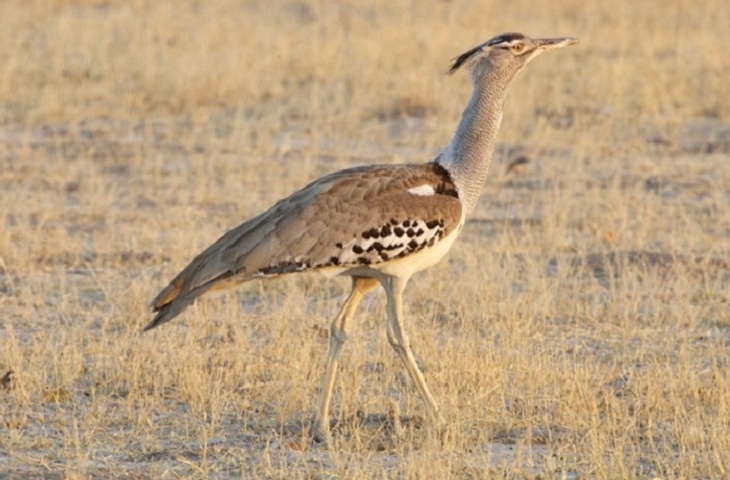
[376, 431]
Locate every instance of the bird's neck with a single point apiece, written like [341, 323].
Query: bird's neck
[468, 155]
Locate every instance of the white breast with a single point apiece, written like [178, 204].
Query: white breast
[421, 260]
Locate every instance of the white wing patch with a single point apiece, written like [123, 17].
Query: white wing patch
[424, 190]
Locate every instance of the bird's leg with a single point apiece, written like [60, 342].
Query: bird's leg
[338, 335]
[398, 339]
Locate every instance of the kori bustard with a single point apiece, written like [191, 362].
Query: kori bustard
[377, 224]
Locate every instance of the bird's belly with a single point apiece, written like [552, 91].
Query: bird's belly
[421, 260]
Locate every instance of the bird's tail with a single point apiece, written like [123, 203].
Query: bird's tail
[171, 301]
[170, 310]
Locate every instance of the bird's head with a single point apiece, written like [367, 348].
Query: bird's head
[509, 53]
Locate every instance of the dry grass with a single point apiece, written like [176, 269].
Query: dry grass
[579, 329]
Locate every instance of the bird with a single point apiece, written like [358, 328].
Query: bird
[377, 224]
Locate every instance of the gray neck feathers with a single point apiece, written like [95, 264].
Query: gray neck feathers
[469, 153]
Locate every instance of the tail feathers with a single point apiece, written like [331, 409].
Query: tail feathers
[169, 293]
[171, 310]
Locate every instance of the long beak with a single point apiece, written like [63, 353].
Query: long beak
[553, 43]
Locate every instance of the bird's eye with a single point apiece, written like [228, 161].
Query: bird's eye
[518, 47]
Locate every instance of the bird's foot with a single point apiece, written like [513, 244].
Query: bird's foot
[320, 431]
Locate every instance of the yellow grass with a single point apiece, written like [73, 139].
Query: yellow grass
[579, 328]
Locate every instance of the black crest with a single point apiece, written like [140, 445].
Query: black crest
[461, 59]
[505, 37]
